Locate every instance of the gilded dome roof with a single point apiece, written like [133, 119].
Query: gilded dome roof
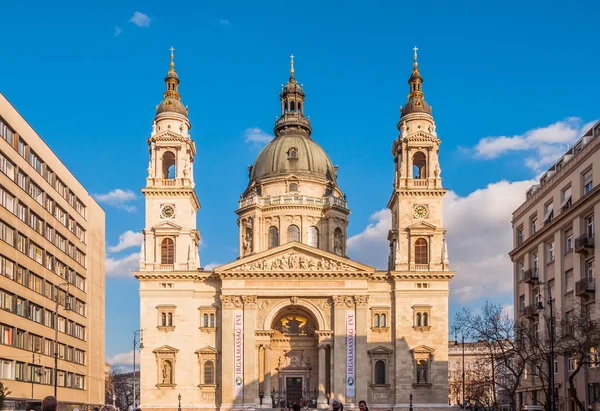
[171, 105]
[293, 154]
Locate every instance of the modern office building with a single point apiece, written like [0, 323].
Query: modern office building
[52, 274]
[554, 251]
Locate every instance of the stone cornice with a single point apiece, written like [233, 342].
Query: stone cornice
[165, 275]
[446, 275]
[294, 274]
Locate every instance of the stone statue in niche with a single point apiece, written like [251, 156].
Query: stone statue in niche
[338, 243]
[247, 243]
[422, 372]
[150, 171]
[167, 372]
[403, 129]
[153, 128]
[437, 171]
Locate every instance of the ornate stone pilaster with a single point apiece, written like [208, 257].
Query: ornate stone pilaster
[249, 301]
[322, 400]
[267, 400]
[231, 301]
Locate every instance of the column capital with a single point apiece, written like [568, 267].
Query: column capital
[343, 301]
[249, 301]
[231, 301]
[361, 300]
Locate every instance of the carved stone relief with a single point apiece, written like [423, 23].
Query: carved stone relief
[294, 261]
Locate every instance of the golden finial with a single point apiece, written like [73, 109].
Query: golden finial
[415, 64]
[172, 59]
[292, 65]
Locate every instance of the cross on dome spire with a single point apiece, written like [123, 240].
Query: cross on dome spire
[172, 59]
[415, 64]
[292, 65]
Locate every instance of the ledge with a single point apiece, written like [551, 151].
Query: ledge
[208, 387]
[380, 329]
[166, 385]
[379, 387]
[422, 385]
[208, 329]
[165, 329]
[422, 327]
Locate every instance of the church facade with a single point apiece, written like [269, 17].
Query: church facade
[293, 319]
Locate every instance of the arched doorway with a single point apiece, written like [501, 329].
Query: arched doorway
[294, 357]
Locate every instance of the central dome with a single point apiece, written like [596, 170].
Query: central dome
[293, 154]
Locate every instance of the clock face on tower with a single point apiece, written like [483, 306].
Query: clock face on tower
[167, 211]
[420, 211]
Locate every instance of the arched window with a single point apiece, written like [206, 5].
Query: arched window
[383, 320]
[163, 319]
[376, 320]
[168, 165]
[170, 319]
[313, 236]
[338, 241]
[286, 106]
[212, 320]
[292, 106]
[209, 372]
[293, 234]
[167, 251]
[419, 164]
[380, 372]
[425, 319]
[273, 237]
[421, 256]
[205, 320]
[300, 107]
[418, 319]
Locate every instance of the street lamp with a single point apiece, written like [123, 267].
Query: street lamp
[463, 367]
[410, 408]
[551, 359]
[179, 398]
[136, 334]
[67, 308]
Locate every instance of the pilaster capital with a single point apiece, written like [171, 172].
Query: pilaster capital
[231, 301]
[343, 301]
[361, 300]
[249, 301]
[324, 337]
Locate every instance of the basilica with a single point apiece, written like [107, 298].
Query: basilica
[293, 319]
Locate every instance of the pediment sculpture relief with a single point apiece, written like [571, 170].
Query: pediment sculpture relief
[294, 261]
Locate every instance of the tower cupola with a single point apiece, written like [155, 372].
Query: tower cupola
[292, 107]
[416, 99]
[172, 100]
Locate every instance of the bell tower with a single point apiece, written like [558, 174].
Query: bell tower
[417, 235]
[171, 238]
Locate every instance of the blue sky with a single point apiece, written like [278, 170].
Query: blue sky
[88, 75]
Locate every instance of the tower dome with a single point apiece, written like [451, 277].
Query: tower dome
[416, 99]
[172, 100]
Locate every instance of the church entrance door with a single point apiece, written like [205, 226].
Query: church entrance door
[293, 387]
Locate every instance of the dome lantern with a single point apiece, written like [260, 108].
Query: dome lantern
[416, 99]
[292, 107]
[172, 100]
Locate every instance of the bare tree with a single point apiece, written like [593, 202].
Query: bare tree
[119, 385]
[494, 330]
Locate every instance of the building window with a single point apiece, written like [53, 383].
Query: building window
[293, 187]
[208, 319]
[292, 153]
[6, 132]
[273, 237]
[568, 281]
[293, 234]
[379, 372]
[589, 269]
[550, 251]
[209, 373]
[421, 317]
[35, 162]
[566, 199]
[421, 256]
[587, 182]
[548, 213]
[313, 236]
[167, 251]
[589, 225]
[419, 165]
[572, 364]
[7, 167]
[166, 317]
[568, 240]
[520, 236]
[521, 270]
[533, 225]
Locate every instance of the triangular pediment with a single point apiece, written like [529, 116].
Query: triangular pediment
[422, 349]
[207, 350]
[165, 226]
[295, 257]
[380, 350]
[165, 349]
[421, 226]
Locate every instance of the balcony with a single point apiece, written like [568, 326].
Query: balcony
[531, 276]
[585, 286]
[293, 200]
[530, 311]
[584, 243]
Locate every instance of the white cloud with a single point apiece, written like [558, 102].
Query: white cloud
[126, 240]
[479, 238]
[122, 267]
[118, 198]
[120, 359]
[211, 266]
[371, 246]
[509, 310]
[547, 143]
[257, 136]
[117, 31]
[140, 19]
[225, 22]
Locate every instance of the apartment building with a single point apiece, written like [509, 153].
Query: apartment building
[52, 274]
[554, 248]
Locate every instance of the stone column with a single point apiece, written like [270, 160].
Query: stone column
[250, 360]
[342, 303]
[267, 400]
[322, 400]
[362, 359]
[228, 304]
